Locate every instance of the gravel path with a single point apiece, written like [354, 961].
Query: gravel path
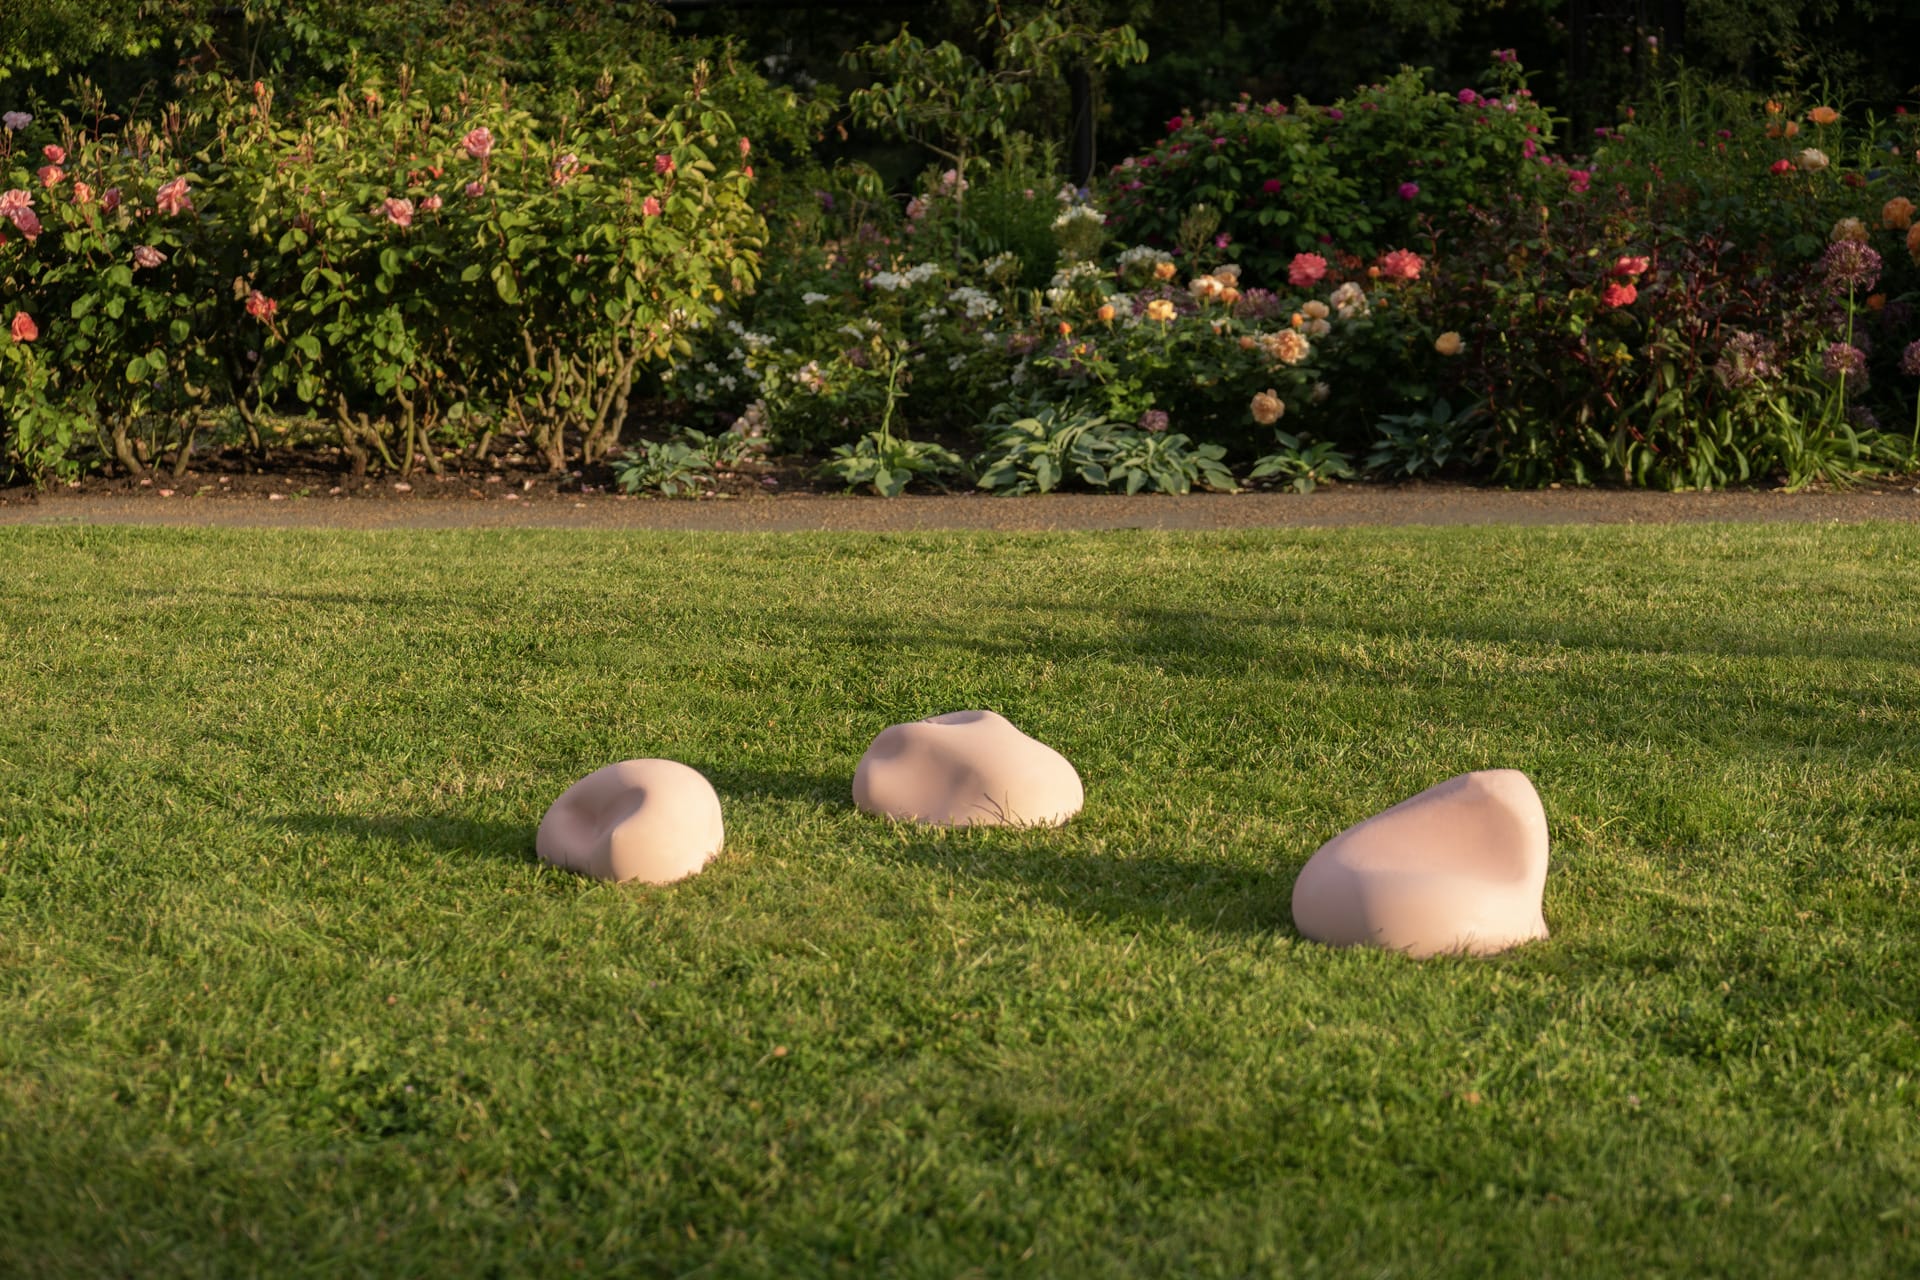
[460, 506]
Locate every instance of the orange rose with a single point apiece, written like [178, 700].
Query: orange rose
[1791, 128]
[1773, 108]
[1823, 115]
[1876, 302]
[1897, 214]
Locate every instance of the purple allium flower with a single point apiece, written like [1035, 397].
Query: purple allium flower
[1747, 358]
[1257, 304]
[1843, 360]
[1154, 420]
[1848, 264]
[1910, 360]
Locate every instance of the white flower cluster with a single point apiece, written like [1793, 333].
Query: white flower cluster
[1142, 255]
[979, 304]
[1001, 267]
[810, 298]
[1349, 301]
[1079, 213]
[751, 340]
[919, 274]
[1080, 277]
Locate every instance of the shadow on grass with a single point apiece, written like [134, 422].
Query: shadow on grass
[1147, 891]
[448, 833]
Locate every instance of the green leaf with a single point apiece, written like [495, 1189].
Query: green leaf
[179, 331]
[137, 369]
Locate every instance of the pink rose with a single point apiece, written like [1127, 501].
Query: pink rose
[50, 175]
[24, 329]
[475, 190]
[1578, 179]
[1631, 267]
[1408, 190]
[82, 193]
[431, 204]
[1271, 186]
[478, 142]
[57, 154]
[110, 199]
[173, 199]
[399, 212]
[145, 255]
[261, 307]
[1306, 270]
[1401, 264]
[663, 163]
[745, 146]
[28, 222]
[1618, 295]
[650, 207]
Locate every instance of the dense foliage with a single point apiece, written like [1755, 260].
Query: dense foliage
[1419, 278]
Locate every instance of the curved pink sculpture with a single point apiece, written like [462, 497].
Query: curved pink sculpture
[966, 769]
[651, 820]
[1459, 867]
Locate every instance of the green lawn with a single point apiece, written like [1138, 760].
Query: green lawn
[283, 990]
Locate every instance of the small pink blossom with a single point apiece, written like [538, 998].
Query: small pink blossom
[16, 120]
[663, 163]
[650, 207]
[28, 222]
[478, 142]
[145, 255]
[110, 199]
[50, 175]
[55, 153]
[745, 147]
[431, 204]
[1408, 190]
[24, 329]
[475, 190]
[1579, 180]
[1627, 268]
[399, 212]
[261, 307]
[173, 198]
[82, 193]
[1469, 97]
[1271, 186]
[1306, 270]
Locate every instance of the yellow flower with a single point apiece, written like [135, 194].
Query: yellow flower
[1160, 309]
[1268, 408]
[1164, 271]
[1897, 214]
[1314, 310]
[1823, 115]
[1105, 314]
[1287, 346]
[1449, 343]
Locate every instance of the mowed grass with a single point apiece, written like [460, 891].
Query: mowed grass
[284, 991]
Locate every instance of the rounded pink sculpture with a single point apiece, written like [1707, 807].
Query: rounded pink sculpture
[651, 820]
[966, 769]
[1459, 867]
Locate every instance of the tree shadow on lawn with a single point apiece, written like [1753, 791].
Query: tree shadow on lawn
[1145, 891]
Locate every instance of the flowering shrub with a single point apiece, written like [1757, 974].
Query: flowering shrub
[1372, 171]
[404, 266]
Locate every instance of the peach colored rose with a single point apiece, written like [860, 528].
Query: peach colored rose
[478, 142]
[1449, 343]
[24, 329]
[1268, 408]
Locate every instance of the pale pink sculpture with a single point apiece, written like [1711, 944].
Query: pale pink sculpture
[1459, 867]
[966, 768]
[651, 820]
